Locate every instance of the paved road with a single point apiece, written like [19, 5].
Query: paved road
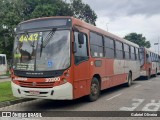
[143, 95]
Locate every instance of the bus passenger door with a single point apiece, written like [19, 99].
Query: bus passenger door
[81, 63]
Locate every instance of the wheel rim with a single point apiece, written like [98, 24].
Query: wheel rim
[94, 89]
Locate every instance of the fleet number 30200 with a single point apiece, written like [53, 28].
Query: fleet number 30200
[52, 79]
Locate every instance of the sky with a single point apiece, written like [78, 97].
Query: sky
[122, 17]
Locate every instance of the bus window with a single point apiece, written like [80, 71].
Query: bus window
[137, 54]
[142, 56]
[132, 53]
[81, 53]
[126, 51]
[149, 57]
[119, 50]
[109, 48]
[1, 60]
[96, 45]
[4, 60]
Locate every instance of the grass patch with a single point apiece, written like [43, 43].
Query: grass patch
[6, 92]
[7, 73]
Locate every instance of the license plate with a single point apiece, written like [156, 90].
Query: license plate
[34, 92]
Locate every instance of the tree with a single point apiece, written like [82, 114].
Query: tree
[11, 15]
[14, 11]
[138, 39]
[83, 11]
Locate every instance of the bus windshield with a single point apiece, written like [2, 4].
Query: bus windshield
[42, 51]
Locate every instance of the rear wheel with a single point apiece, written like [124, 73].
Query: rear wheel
[94, 90]
[129, 83]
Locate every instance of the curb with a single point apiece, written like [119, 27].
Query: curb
[8, 103]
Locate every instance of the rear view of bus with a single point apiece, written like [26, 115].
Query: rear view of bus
[3, 64]
[149, 63]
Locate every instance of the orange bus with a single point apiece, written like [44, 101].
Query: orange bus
[64, 58]
[149, 63]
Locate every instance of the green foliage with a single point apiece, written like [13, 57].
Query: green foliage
[138, 39]
[14, 11]
[83, 11]
[6, 92]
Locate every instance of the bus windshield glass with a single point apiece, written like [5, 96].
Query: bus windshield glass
[42, 51]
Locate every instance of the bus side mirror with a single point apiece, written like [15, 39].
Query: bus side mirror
[75, 47]
[80, 38]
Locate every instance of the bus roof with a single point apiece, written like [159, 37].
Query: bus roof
[150, 50]
[81, 23]
[103, 32]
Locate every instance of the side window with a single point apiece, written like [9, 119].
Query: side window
[81, 53]
[1, 59]
[126, 52]
[133, 53]
[119, 50]
[137, 54]
[156, 58]
[96, 43]
[4, 61]
[151, 56]
[109, 48]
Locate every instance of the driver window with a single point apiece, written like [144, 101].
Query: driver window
[82, 52]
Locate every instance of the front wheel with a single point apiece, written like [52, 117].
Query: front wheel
[94, 90]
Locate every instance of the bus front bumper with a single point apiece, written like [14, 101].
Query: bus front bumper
[61, 92]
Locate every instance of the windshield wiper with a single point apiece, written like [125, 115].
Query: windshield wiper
[46, 40]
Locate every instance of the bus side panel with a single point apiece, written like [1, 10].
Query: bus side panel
[154, 67]
[133, 67]
[99, 67]
[119, 74]
[108, 74]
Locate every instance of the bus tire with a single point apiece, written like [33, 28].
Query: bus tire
[94, 90]
[149, 75]
[129, 82]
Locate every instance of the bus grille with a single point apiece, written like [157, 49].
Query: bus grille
[36, 84]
